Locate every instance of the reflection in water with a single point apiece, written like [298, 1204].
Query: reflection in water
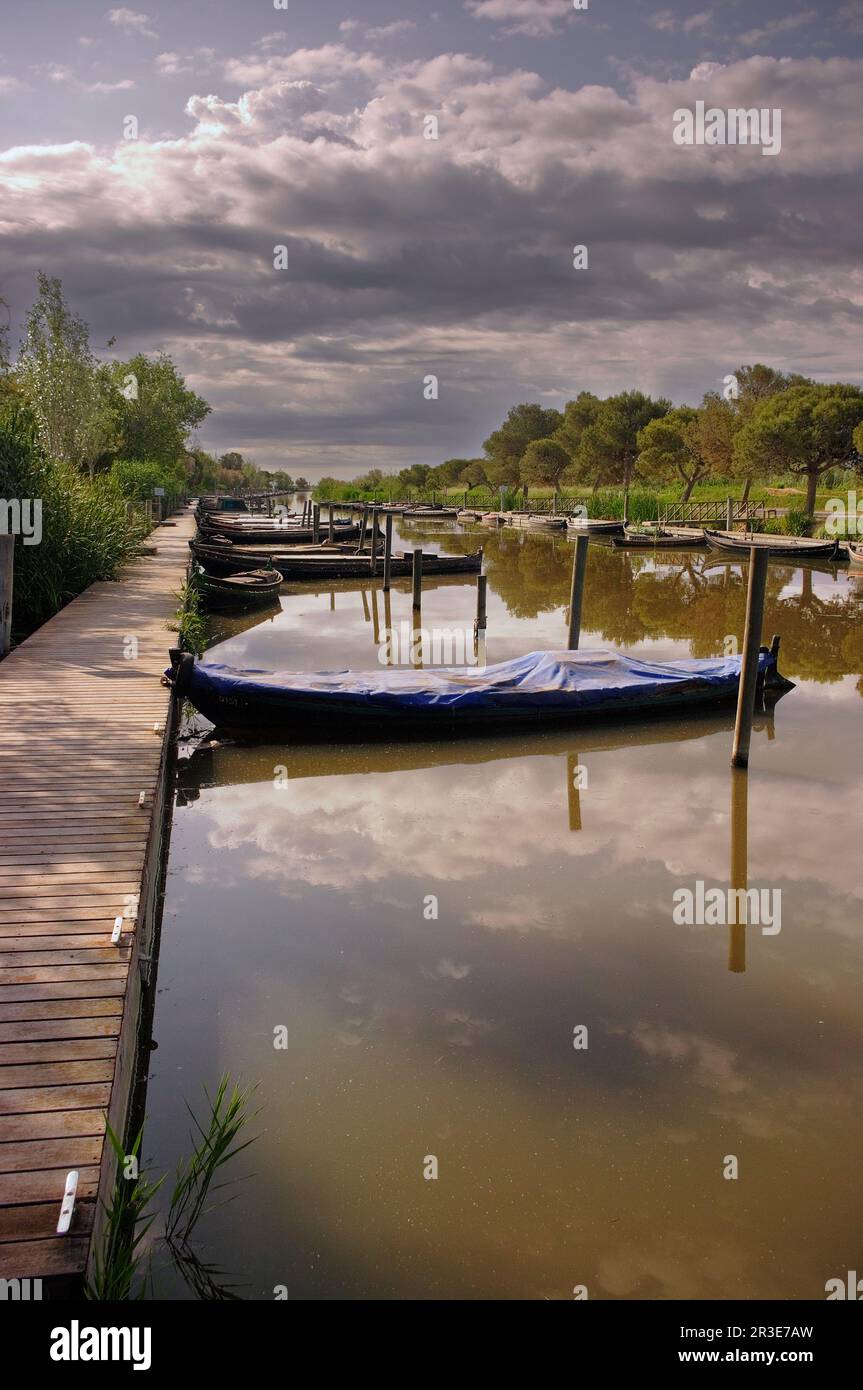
[299, 894]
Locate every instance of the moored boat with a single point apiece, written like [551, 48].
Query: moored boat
[782, 547]
[250, 534]
[540, 688]
[323, 561]
[599, 526]
[656, 539]
[855, 554]
[243, 590]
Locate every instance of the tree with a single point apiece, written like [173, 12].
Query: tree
[302, 484]
[609, 447]
[155, 411]
[68, 391]
[544, 461]
[416, 476]
[505, 447]
[804, 430]
[474, 473]
[672, 444]
[753, 384]
[577, 416]
[232, 461]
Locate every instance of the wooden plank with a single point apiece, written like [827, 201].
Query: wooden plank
[51, 1124]
[38, 1220]
[33, 1155]
[55, 1074]
[43, 1259]
[30, 1099]
[61, 989]
[47, 1185]
[54, 1050]
[34, 1030]
[63, 1010]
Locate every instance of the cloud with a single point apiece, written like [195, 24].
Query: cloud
[784, 25]
[452, 256]
[131, 22]
[533, 18]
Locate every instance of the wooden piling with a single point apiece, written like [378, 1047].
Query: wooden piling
[316, 522]
[363, 523]
[729, 513]
[576, 593]
[373, 555]
[331, 519]
[755, 596]
[7, 561]
[388, 552]
[480, 620]
[418, 580]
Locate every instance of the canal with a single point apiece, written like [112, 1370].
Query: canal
[473, 950]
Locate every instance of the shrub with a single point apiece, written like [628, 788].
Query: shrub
[86, 534]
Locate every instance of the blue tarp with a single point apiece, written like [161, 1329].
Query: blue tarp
[545, 680]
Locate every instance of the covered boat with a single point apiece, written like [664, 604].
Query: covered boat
[274, 533]
[783, 547]
[540, 688]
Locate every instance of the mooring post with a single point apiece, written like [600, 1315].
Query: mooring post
[363, 522]
[480, 620]
[755, 596]
[576, 593]
[373, 558]
[332, 524]
[729, 513]
[7, 558]
[388, 626]
[418, 580]
[270, 504]
[316, 522]
[388, 552]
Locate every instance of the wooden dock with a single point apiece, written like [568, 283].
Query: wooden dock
[78, 746]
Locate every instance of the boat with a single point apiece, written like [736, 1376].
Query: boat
[323, 561]
[280, 535]
[855, 554]
[585, 525]
[243, 590]
[780, 547]
[465, 515]
[493, 519]
[538, 689]
[656, 539]
[430, 514]
[537, 521]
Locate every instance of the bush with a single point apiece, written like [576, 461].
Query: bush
[137, 480]
[86, 534]
[796, 522]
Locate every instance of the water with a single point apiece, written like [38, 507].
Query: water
[310, 906]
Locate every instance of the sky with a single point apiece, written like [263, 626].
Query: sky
[154, 158]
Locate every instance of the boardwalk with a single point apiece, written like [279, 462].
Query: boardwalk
[77, 748]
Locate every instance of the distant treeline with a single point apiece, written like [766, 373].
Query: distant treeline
[765, 426]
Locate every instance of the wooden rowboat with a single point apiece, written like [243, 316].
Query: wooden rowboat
[782, 547]
[855, 554]
[585, 525]
[656, 540]
[323, 562]
[250, 587]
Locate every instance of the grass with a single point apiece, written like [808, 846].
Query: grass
[191, 623]
[118, 1261]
